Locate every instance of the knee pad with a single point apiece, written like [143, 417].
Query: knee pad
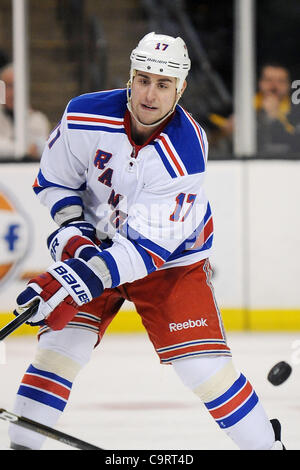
[218, 383]
[56, 363]
[64, 352]
[207, 377]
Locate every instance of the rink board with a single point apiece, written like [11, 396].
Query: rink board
[255, 259]
[128, 321]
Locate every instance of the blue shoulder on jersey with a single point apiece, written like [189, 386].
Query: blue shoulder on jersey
[110, 103]
[182, 146]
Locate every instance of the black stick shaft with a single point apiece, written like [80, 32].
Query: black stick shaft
[46, 431]
[18, 321]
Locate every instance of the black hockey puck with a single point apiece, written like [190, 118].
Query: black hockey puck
[279, 373]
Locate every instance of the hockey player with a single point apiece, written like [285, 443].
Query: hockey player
[122, 176]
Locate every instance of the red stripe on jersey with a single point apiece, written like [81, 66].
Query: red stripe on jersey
[197, 130]
[156, 259]
[92, 119]
[233, 404]
[173, 158]
[47, 385]
[204, 235]
[36, 183]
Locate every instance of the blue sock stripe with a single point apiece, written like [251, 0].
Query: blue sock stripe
[49, 375]
[240, 413]
[42, 397]
[235, 388]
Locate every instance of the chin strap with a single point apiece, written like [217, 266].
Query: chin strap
[156, 123]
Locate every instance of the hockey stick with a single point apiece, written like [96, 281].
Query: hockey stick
[46, 431]
[18, 321]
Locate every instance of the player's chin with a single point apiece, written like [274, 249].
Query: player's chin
[149, 114]
[150, 120]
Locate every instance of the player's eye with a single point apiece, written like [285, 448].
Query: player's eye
[162, 85]
[143, 81]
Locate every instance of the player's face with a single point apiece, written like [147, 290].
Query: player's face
[152, 96]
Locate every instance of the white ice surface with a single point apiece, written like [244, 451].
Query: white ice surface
[124, 399]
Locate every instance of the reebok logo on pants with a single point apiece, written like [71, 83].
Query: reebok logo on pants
[188, 324]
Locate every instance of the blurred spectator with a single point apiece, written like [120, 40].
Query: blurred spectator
[278, 119]
[38, 126]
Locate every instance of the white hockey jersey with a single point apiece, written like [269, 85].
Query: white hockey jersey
[148, 199]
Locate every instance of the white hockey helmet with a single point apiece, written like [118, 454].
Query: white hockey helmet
[162, 55]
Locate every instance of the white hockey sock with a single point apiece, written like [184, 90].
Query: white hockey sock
[36, 410]
[241, 415]
[254, 431]
[47, 383]
[230, 399]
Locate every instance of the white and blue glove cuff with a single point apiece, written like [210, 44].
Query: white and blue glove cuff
[80, 281]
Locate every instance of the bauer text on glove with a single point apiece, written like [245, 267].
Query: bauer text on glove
[61, 291]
